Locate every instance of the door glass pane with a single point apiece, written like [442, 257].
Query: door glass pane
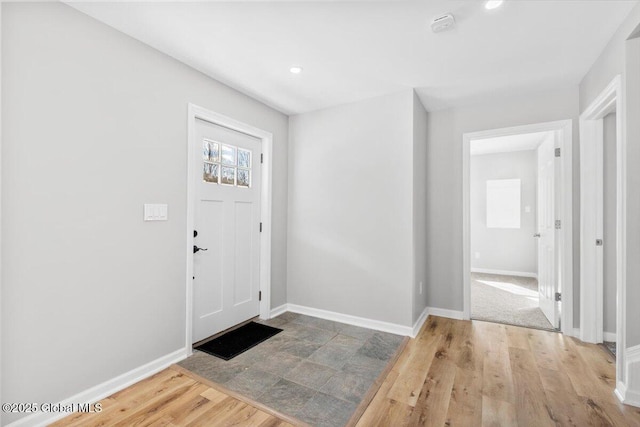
[228, 155]
[214, 152]
[211, 172]
[228, 174]
[210, 151]
[244, 177]
[244, 158]
[206, 146]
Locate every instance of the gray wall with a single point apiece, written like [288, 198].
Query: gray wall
[507, 249]
[632, 313]
[95, 125]
[610, 63]
[350, 234]
[610, 222]
[621, 57]
[444, 181]
[419, 206]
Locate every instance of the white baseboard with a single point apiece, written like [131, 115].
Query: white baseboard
[278, 310]
[608, 336]
[107, 388]
[620, 391]
[633, 353]
[505, 272]
[418, 325]
[378, 325]
[629, 393]
[352, 320]
[631, 397]
[443, 312]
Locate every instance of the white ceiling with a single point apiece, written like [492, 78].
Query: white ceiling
[356, 50]
[507, 144]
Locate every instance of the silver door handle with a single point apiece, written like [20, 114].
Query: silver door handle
[536, 235]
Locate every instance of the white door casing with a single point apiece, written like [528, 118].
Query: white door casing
[591, 223]
[0, 198]
[227, 219]
[195, 165]
[563, 208]
[547, 278]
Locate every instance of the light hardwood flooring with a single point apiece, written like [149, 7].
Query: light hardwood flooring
[174, 398]
[460, 373]
[455, 373]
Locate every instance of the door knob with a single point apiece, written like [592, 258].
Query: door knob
[196, 249]
[536, 235]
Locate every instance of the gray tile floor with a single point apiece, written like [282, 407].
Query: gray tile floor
[315, 370]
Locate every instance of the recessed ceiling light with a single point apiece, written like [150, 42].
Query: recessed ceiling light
[493, 4]
[296, 69]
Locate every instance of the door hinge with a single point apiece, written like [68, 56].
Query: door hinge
[558, 296]
[259, 295]
[558, 224]
[557, 152]
[261, 158]
[261, 227]
[599, 242]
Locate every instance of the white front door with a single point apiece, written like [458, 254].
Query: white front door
[227, 222]
[547, 283]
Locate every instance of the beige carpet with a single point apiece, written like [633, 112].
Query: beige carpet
[507, 299]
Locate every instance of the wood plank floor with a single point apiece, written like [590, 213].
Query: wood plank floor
[461, 373]
[455, 373]
[173, 398]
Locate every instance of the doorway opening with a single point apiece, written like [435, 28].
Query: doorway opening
[517, 226]
[609, 291]
[512, 230]
[603, 225]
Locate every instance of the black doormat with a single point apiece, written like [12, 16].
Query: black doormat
[238, 341]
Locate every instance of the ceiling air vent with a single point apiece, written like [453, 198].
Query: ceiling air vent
[443, 23]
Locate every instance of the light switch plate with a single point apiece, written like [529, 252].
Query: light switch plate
[156, 212]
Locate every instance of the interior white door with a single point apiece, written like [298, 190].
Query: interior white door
[547, 283]
[227, 222]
